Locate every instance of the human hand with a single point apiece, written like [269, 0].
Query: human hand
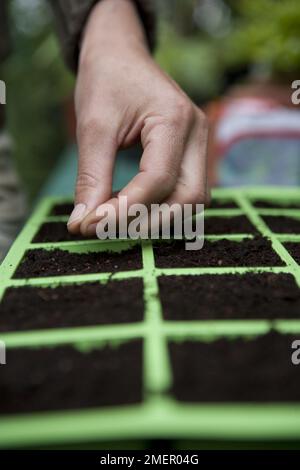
[122, 96]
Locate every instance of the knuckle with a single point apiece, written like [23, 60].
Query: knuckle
[164, 179]
[86, 180]
[87, 125]
[90, 126]
[182, 111]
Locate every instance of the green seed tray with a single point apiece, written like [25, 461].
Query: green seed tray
[159, 415]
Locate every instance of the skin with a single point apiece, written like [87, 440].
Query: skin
[123, 97]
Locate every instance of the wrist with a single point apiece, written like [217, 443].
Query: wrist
[113, 25]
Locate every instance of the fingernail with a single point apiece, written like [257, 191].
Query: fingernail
[77, 214]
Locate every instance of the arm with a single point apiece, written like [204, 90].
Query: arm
[71, 17]
[123, 96]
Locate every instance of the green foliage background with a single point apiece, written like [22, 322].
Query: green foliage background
[262, 33]
[266, 33]
[37, 85]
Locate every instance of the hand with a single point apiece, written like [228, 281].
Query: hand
[122, 96]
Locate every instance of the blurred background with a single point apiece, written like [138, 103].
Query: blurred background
[236, 59]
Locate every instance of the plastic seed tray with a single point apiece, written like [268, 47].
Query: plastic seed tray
[152, 407]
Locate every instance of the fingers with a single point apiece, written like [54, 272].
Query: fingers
[97, 149]
[192, 187]
[164, 140]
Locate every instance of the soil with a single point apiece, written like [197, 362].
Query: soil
[62, 209]
[51, 232]
[63, 378]
[55, 232]
[228, 225]
[33, 308]
[280, 224]
[273, 205]
[229, 297]
[43, 263]
[249, 252]
[294, 250]
[220, 204]
[237, 370]
[66, 209]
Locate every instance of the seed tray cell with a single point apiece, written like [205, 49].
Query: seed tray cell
[282, 224]
[229, 297]
[223, 204]
[53, 232]
[294, 250]
[236, 370]
[217, 253]
[72, 305]
[56, 262]
[61, 378]
[145, 345]
[228, 225]
[277, 204]
[61, 209]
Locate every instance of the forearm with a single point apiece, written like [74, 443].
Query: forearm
[113, 25]
[123, 97]
[71, 17]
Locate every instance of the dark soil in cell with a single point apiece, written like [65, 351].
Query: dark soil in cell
[221, 297]
[237, 370]
[32, 308]
[51, 232]
[55, 232]
[256, 252]
[276, 205]
[282, 224]
[64, 378]
[228, 225]
[42, 263]
[294, 250]
[62, 209]
[220, 204]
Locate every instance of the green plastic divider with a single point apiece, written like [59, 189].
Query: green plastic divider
[159, 416]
